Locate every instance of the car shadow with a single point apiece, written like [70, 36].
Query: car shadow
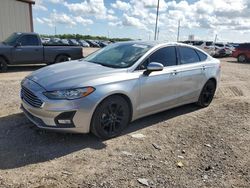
[24, 68]
[237, 62]
[160, 117]
[21, 143]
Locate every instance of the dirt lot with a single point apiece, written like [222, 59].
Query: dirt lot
[212, 144]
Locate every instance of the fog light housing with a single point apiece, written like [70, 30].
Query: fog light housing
[65, 119]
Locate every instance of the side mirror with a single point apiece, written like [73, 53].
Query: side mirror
[153, 66]
[18, 44]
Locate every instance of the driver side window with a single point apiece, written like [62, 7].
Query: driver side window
[166, 56]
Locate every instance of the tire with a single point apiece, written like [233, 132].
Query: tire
[207, 94]
[3, 65]
[61, 58]
[242, 58]
[111, 117]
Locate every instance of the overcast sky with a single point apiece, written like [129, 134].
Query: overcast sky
[230, 19]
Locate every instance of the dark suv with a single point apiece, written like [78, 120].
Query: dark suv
[242, 52]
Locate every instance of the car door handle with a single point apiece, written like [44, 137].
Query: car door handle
[174, 72]
[203, 68]
[36, 50]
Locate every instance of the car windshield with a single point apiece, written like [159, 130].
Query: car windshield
[220, 45]
[197, 43]
[209, 43]
[119, 55]
[11, 40]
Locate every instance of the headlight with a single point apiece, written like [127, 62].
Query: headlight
[69, 94]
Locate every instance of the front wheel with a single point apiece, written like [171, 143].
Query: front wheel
[207, 94]
[3, 65]
[110, 117]
[61, 58]
[242, 58]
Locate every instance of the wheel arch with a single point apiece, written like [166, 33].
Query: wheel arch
[126, 97]
[214, 80]
[5, 58]
[61, 54]
[241, 54]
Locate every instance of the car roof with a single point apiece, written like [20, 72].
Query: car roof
[153, 43]
[26, 33]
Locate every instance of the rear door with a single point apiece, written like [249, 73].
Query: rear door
[29, 51]
[157, 90]
[190, 74]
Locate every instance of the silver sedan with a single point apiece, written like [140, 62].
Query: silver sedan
[118, 84]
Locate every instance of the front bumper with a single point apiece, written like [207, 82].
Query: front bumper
[46, 116]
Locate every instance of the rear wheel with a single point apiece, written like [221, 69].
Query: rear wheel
[242, 58]
[3, 65]
[110, 117]
[62, 58]
[207, 94]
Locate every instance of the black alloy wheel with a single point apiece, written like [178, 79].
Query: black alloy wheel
[110, 117]
[207, 94]
[62, 58]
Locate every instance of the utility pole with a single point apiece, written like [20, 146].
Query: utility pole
[215, 38]
[158, 32]
[55, 29]
[156, 21]
[178, 35]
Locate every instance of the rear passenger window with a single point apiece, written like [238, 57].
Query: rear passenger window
[202, 56]
[188, 55]
[165, 56]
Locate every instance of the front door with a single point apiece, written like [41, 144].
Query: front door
[157, 90]
[28, 50]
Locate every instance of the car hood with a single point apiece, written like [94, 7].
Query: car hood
[72, 74]
[2, 45]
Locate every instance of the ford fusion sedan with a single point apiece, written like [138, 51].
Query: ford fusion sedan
[118, 84]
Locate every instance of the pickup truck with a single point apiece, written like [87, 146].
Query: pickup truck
[27, 48]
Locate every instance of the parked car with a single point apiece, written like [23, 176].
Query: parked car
[64, 41]
[242, 52]
[93, 43]
[53, 42]
[27, 48]
[220, 52]
[73, 42]
[207, 46]
[45, 40]
[103, 44]
[83, 43]
[118, 84]
[228, 48]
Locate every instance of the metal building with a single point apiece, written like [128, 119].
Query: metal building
[15, 16]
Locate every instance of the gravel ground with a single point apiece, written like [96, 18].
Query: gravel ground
[184, 147]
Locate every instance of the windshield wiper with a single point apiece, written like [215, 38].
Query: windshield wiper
[108, 65]
[104, 64]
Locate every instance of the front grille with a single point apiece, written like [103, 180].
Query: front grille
[30, 98]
